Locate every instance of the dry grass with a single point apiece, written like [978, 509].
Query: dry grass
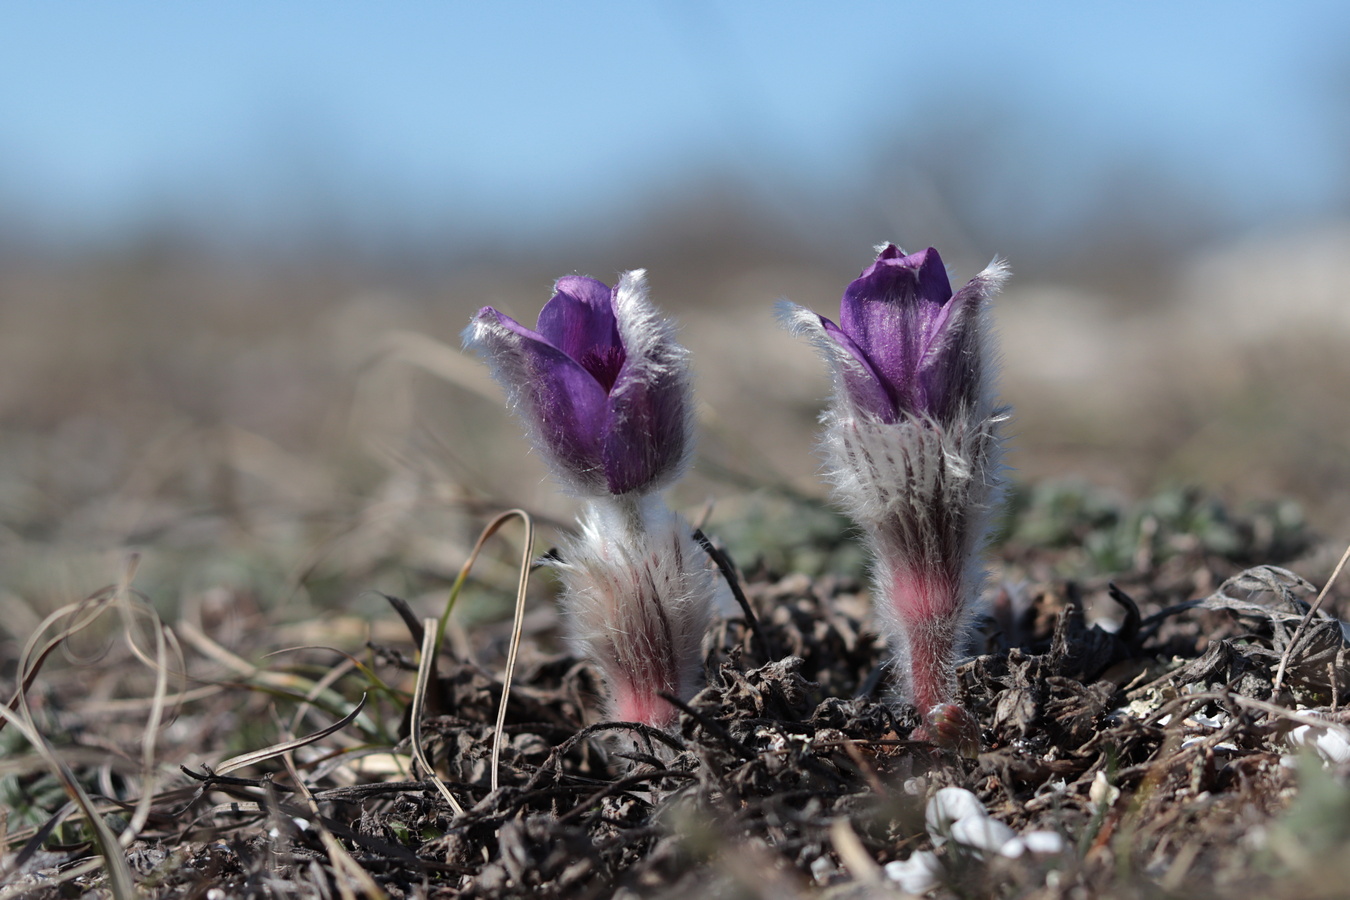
[166, 761]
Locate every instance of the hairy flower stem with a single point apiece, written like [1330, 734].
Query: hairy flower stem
[929, 638]
[638, 598]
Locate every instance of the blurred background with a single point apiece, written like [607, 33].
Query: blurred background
[238, 243]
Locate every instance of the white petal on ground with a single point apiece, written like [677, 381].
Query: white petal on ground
[1037, 842]
[921, 872]
[982, 833]
[1043, 841]
[1330, 743]
[1333, 745]
[1208, 721]
[948, 806]
[1102, 792]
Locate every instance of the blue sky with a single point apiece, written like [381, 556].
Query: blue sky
[527, 114]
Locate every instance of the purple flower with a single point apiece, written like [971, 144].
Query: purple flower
[913, 347]
[602, 384]
[604, 390]
[913, 454]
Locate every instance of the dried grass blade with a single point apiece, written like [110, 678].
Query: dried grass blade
[337, 854]
[351, 663]
[160, 666]
[425, 666]
[1303, 623]
[120, 880]
[34, 837]
[135, 704]
[92, 607]
[516, 626]
[236, 808]
[330, 678]
[724, 565]
[492, 528]
[1274, 709]
[257, 756]
[242, 667]
[258, 678]
[84, 613]
[852, 853]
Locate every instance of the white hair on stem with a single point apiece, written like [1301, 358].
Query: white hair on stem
[638, 598]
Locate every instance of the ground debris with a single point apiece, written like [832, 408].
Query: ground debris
[1141, 751]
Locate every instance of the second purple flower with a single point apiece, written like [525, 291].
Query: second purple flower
[912, 448]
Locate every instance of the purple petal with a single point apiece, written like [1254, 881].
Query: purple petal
[645, 435]
[648, 436]
[934, 286]
[892, 310]
[568, 407]
[579, 320]
[865, 388]
[951, 369]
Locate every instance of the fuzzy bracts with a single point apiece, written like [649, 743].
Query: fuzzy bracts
[638, 604]
[912, 451]
[922, 497]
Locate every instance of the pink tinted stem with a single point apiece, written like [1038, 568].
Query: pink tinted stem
[927, 608]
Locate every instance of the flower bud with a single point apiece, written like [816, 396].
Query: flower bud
[602, 385]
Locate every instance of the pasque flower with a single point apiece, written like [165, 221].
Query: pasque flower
[604, 391]
[601, 384]
[913, 453]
